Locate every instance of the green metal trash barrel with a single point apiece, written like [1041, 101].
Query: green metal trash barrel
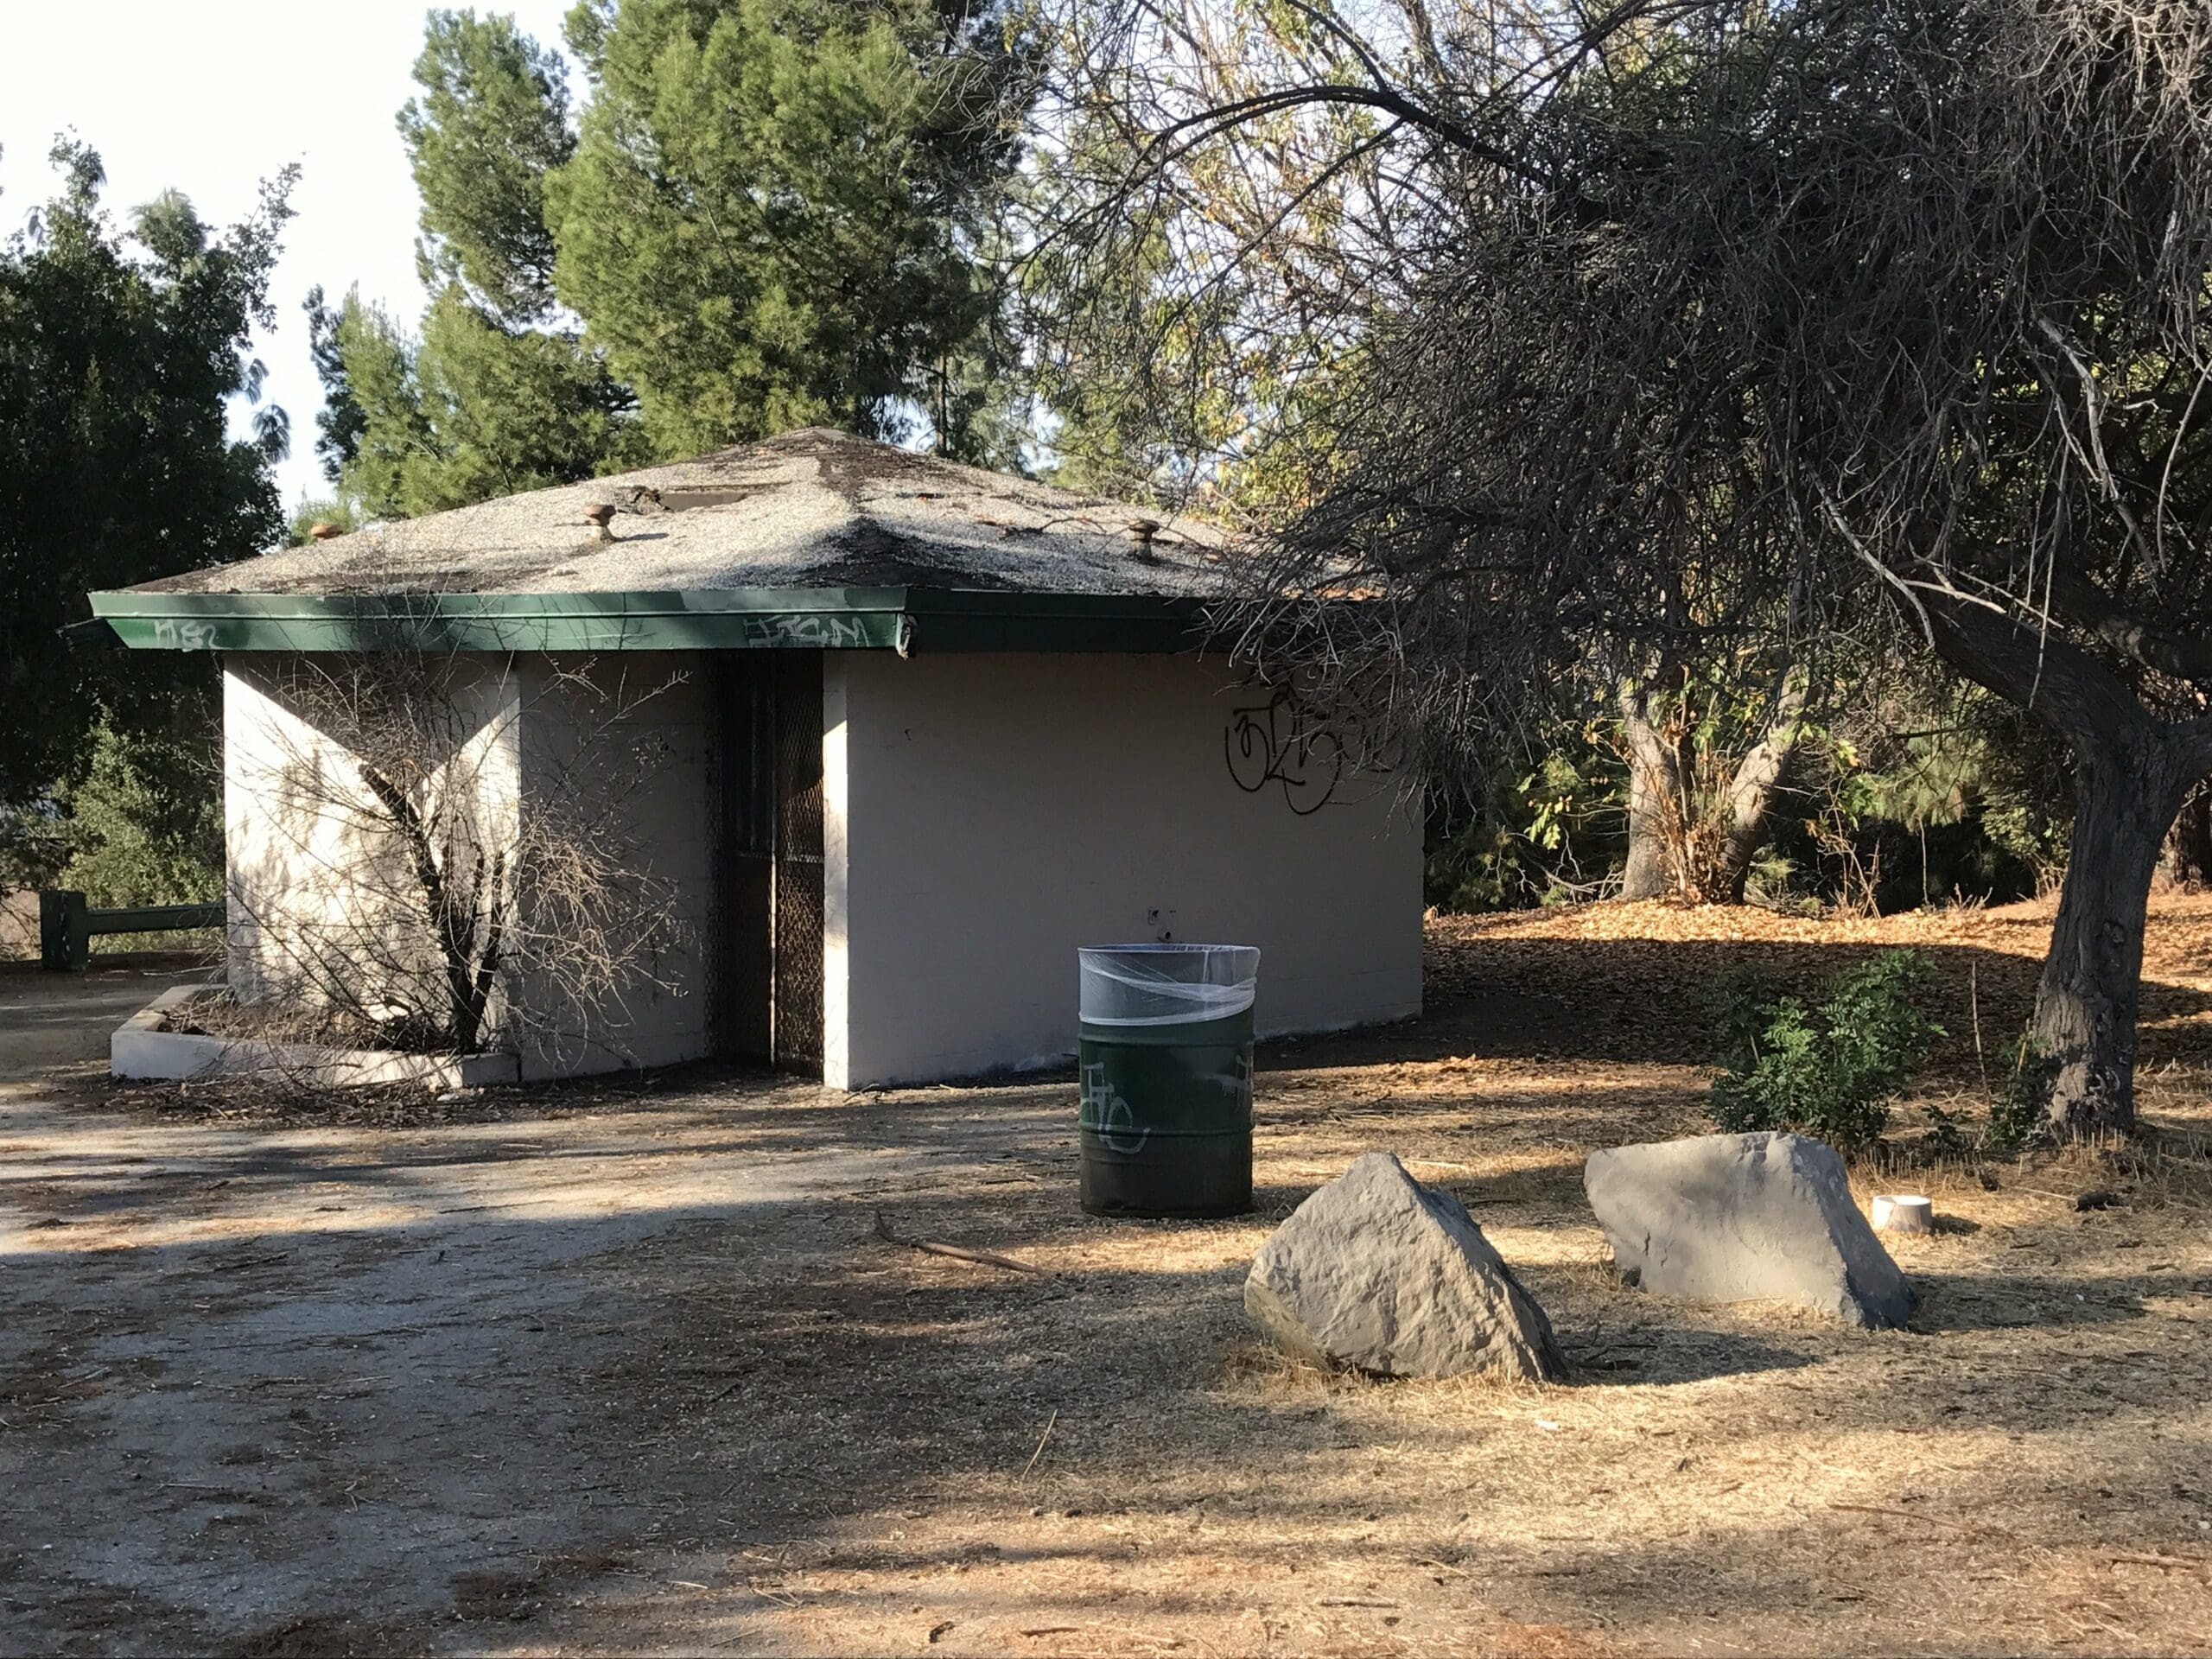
[1166, 1125]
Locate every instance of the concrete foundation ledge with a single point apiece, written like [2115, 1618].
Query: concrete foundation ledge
[140, 1048]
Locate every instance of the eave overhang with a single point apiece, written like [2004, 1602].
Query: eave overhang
[905, 619]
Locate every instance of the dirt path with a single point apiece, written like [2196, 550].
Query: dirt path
[595, 1373]
[251, 1377]
[58, 1024]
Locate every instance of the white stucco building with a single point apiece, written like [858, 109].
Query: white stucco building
[917, 732]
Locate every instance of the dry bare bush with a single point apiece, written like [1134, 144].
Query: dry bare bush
[412, 878]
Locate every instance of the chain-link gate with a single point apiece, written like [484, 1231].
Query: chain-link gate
[766, 980]
[795, 999]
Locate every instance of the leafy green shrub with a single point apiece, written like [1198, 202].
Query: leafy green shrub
[145, 825]
[1547, 837]
[1829, 1070]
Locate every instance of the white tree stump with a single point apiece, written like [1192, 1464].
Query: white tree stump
[1904, 1212]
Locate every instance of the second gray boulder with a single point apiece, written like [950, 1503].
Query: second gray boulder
[1745, 1218]
[1376, 1273]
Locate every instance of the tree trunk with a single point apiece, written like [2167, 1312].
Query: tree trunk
[2128, 789]
[1655, 801]
[2131, 771]
[1752, 792]
[2189, 847]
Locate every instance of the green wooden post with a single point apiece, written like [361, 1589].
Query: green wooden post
[65, 931]
[67, 924]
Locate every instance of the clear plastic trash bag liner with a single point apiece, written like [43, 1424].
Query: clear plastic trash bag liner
[1165, 984]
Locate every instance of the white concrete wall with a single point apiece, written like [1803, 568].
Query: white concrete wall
[987, 814]
[320, 893]
[318, 888]
[624, 743]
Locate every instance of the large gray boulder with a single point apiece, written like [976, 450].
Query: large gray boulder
[1745, 1218]
[1376, 1273]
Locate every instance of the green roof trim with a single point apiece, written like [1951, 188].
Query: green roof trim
[741, 619]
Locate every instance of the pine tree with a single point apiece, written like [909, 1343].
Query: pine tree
[491, 123]
[500, 393]
[468, 411]
[773, 212]
[779, 211]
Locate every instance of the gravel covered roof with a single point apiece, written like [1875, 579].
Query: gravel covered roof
[814, 508]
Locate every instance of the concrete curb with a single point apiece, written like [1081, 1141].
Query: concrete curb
[140, 1048]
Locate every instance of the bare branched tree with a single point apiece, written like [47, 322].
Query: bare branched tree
[1191, 309]
[1750, 328]
[402, 878]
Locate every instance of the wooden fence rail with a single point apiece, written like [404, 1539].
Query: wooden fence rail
[66, 925]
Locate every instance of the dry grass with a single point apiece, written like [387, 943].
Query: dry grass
[854, 1428]
[842, 1444]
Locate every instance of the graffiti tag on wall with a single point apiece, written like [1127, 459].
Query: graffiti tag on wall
[1281, 742]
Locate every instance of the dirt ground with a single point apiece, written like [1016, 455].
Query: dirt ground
[604, 1371]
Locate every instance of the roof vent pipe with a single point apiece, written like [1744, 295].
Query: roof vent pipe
[598, 516]
[1141, 531]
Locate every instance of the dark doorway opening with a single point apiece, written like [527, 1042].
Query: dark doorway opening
[767, 951]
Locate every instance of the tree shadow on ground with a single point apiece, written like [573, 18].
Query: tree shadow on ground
[743, 1393]
[469, 1399]
[1679, 1352]
[1990, 1301]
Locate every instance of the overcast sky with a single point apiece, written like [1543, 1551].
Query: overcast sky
[211, 96]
